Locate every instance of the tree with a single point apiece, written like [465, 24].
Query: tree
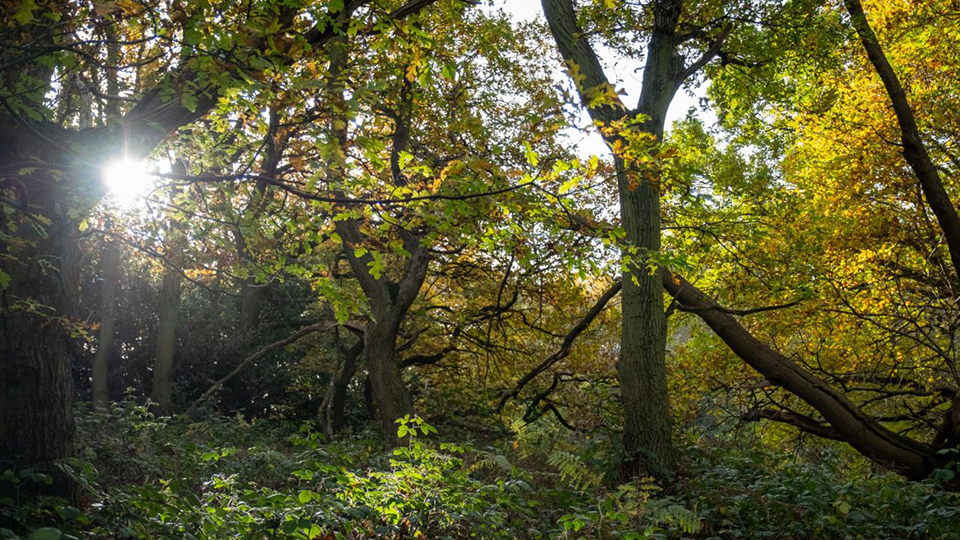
[642, 367]
[51, 168]
[871, 359]
[110, 274]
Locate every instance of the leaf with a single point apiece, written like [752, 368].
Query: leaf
[24, 14]
[192, 36]
[530, 155]
[189, 101]
[45, 533]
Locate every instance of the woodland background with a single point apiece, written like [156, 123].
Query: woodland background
[380, 269]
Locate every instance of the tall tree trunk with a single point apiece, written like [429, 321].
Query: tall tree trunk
[110, 274]
[166, 341]
[37, 308]
[642, 365]
[333, 407]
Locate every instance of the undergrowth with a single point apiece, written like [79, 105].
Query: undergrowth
[220, 478]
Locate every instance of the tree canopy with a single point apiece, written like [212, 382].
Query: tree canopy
[345, 269]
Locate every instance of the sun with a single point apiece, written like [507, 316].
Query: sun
[126, 180]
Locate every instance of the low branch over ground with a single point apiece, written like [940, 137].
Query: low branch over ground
[318, 327]
[567, 345]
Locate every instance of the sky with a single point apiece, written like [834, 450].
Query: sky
[626, 75]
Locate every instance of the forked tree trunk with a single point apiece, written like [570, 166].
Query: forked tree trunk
[161, 395]
[647, 436]
[110, 274]
[332, 410]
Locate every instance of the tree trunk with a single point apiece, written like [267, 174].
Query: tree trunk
[251, 303]
[166, 342]
[642, 366]
[36, 321]
[332, 409]
[647, 434]
[391, 396]
[110, 274]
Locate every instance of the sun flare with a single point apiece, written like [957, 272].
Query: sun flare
[126, 180]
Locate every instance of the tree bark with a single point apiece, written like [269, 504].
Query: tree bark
[911, 458]
[163, 366]
[110, 274]
[37, 318]
[642, 365]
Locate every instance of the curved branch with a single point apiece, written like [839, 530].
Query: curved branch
[318, 327]
[567, 343]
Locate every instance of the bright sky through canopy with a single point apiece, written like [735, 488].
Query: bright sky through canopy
[126, 180]
[625, 74]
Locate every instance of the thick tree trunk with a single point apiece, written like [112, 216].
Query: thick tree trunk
[642, 366]
[110, 274]
[161, 395]
[41, 261]
[333, 407]
[392, 398]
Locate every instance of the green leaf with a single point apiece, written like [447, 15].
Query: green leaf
[46, 533]
[305, 497]
[24, 16]
[192, 36]
[530, 155]
[189, 101]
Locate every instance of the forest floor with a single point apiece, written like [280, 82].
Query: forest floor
[225, 478]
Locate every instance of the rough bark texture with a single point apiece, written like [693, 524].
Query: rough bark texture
[642, 365]
[161, 393]
[37, 310]
[110, 274]
[36, 418]
[910, 458]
